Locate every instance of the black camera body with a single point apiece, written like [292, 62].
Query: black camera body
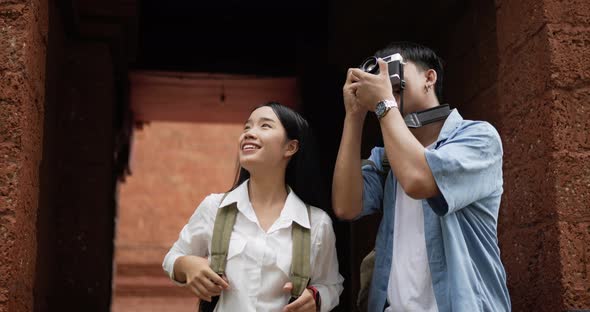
[395, 65]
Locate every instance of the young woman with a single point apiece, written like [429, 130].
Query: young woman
[274, 183]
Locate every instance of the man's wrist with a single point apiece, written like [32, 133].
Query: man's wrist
[355, 119]
[356, 114]
[383, 107]
[383, 99]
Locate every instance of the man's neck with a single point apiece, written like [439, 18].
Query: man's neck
[428, 134]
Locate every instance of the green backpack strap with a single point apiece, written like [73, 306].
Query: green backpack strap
[301, 236]
[222, 229]
[300, 260]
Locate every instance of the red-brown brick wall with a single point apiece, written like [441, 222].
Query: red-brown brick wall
[174, 166]
[522, 65]
[543, 48]
[568, 33]
[23, 35]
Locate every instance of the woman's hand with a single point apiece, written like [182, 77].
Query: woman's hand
[199, 277]
[305, 302]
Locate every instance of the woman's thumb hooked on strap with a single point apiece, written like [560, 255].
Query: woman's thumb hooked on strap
[288, 287]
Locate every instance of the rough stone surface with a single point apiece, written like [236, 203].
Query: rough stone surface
[533, 269]
[543, 91]
[575, 255]
[23, 31]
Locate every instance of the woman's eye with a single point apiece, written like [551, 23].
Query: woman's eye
[266, 125]
[246, 128]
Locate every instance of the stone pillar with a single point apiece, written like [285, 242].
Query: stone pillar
[544, 103]
[23, 36]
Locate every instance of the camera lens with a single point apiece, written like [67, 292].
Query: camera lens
[370, 65]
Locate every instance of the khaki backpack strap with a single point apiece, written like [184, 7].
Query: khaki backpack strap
[224, 224]
[300, 261]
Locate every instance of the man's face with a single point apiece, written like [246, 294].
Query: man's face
[415, 96]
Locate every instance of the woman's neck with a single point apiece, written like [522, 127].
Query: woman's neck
[267, 195]
[267, 191]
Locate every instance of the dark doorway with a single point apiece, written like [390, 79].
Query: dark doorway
[316, 41]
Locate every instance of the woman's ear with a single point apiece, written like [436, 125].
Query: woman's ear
[292, 148]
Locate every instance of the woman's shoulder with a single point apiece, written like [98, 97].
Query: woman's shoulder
[319, 217]
[214, 199]
[208, 206]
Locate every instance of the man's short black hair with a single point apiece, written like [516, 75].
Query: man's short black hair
[422, 56]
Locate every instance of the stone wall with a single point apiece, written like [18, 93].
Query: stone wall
[543, 47]
[23, 40]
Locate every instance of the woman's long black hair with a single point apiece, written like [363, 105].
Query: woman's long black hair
[302, 175]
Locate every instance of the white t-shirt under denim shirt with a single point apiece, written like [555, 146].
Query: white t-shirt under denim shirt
[410, 282]
[259, 262]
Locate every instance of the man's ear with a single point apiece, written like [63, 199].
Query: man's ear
[292, 148]
[431, 77]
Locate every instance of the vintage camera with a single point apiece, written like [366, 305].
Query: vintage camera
[395, 65]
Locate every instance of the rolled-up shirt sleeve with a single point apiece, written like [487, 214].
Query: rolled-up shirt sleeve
[372, 183]
[195, 236]
[467, 167]
[325, 275]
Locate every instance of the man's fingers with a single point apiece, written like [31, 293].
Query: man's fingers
[359, 74]
[351, 87]
[351, 77]
[383, 68]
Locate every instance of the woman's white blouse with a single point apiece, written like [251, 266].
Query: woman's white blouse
[258, 262]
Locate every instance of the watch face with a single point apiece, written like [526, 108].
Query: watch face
[380, 108]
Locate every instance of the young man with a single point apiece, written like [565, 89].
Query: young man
[437, 247]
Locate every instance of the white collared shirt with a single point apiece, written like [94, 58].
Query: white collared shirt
[258, 262]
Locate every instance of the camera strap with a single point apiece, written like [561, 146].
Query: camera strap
[422, 118]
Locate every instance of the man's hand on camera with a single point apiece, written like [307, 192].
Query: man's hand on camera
[371, 89]
[351, 103]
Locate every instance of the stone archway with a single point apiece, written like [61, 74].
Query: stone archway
[65, 123]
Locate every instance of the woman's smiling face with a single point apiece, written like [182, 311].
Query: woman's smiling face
[264, 141]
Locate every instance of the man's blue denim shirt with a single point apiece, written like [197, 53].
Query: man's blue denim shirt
[459, 225]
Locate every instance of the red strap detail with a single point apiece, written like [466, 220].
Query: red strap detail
[316, 297]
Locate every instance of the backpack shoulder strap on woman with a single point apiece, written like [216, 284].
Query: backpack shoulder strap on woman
[222, 229]
[300, 260]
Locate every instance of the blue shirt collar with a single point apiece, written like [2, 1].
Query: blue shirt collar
[451, 123]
